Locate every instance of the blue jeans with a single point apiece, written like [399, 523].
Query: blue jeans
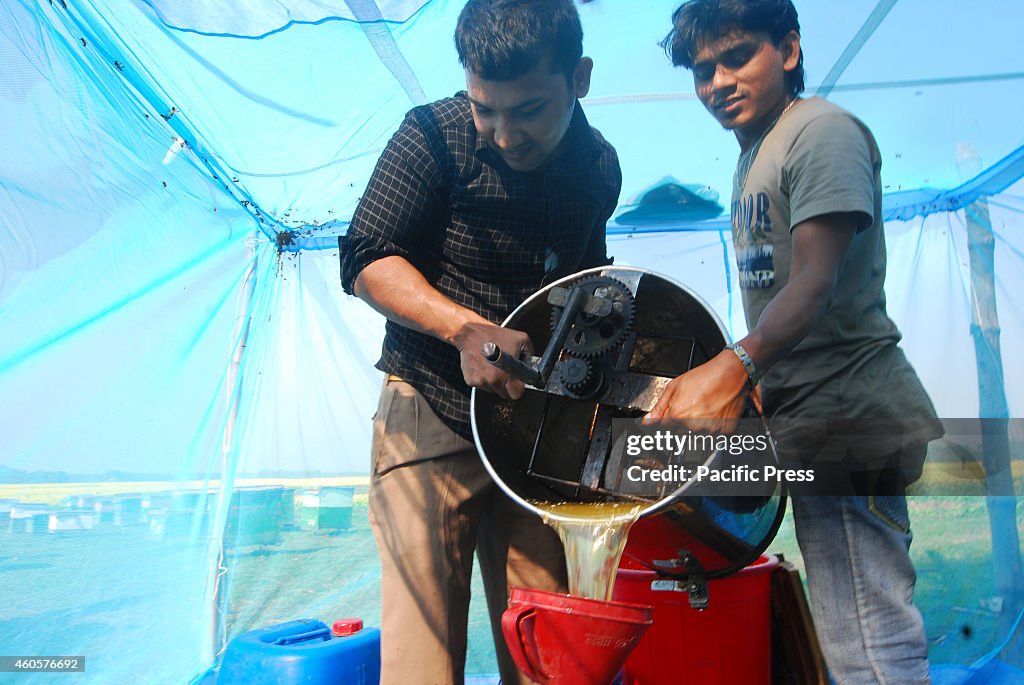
[861, 586]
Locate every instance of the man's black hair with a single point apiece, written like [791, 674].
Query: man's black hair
[698, 23]
[500, 40]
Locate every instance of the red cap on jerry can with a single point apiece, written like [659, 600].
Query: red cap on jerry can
[347, 626]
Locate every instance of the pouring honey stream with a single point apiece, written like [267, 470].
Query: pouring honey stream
[594, 536]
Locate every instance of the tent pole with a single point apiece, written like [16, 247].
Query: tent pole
[993, 408]
[218, 571]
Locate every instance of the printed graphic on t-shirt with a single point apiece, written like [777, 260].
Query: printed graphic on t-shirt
[752, 236]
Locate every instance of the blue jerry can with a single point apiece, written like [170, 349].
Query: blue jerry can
[304, 651]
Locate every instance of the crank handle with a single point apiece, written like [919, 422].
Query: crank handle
[523, 369]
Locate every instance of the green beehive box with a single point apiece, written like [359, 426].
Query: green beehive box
[325, 509]
[256, 516]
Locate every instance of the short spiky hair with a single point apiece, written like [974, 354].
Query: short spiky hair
[699, 22]
[500, 40]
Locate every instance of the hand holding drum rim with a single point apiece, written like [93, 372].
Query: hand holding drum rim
[709, 397]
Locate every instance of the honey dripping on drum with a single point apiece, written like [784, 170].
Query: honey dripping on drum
[594, 535]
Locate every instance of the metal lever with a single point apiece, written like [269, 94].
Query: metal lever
[537, 370]
[696, 578]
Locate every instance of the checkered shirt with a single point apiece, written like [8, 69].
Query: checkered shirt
[482, 234]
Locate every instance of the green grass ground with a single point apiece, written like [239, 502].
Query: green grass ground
[305, 574]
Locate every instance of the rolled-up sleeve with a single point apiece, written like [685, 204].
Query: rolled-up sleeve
[402, 199]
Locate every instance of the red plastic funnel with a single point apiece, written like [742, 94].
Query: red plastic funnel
[560, 639]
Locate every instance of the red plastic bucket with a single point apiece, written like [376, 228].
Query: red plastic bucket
[729, 642]
[558, 639]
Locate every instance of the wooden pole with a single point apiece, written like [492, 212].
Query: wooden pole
[993, 408]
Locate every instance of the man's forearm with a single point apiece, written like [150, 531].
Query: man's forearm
[398, 290]
[711, 396]
[787, 319]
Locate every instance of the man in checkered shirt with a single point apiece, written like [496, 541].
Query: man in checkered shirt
[477, 201]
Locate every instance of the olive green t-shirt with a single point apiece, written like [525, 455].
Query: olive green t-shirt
[819, 159]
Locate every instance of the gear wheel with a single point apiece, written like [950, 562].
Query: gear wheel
[591, 336]
[579, 377]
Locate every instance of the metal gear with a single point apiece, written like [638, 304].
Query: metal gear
[580, 378]
[591, 336]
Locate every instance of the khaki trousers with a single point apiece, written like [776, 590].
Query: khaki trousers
[431, 504]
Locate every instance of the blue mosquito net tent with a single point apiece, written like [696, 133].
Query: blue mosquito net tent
[183, 383]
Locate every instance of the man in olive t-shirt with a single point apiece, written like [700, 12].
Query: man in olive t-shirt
[817, 160]
[806, 220]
